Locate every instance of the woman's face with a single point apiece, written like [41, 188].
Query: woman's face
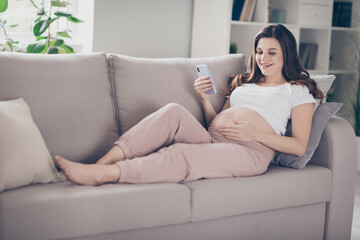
[269, 57]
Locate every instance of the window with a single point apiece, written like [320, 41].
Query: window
[23, 14]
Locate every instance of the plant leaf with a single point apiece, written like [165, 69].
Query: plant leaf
[38, 19]
[64, 34]
[58, 3]
[37, 47]
[32, 2]
[62, 14]
[51, 43]
[40, 38]
[61, 50]
[74, 19]
[14, 25]
[40, 27]
[67, 48]
[3, 5]
[54, 19]
[59, 42]
[53, 50]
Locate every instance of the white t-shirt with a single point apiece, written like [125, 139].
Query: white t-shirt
[272, 103]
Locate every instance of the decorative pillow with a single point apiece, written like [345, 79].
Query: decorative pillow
[24, 158]
[324, 82]
[321, 117]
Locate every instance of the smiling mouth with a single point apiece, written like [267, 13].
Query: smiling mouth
[266, 65]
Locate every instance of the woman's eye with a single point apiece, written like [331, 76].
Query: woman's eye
[272, 53]
[258, 52]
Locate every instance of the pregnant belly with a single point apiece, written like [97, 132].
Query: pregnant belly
[228, 116]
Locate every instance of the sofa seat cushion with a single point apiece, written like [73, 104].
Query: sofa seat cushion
[143, 85]
[69, 99]
[65, 210]
[279, 187]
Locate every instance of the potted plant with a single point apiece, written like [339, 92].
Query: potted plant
[46, 41]
[49, 39]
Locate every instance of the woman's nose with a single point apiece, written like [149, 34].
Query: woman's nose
[264, 56]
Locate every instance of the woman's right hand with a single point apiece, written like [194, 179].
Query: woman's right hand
[201, 85]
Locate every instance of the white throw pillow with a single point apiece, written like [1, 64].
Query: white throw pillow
[24, 157]
[324, 83]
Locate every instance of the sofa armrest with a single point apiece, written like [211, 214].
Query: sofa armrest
[337, 151]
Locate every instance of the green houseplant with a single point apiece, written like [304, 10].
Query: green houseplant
[46, 41]
[8, 41]
[3, 25]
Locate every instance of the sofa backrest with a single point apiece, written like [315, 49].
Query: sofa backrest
[69, 98]
[143, 85]
[83, 102]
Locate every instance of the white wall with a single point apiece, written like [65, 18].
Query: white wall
[211, 21]
[83, 39]
[143, 28]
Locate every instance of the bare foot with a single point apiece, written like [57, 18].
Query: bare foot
[88, 174]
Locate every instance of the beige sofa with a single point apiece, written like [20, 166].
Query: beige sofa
[83, 102]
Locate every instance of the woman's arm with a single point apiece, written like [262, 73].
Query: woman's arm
[202, 85]
[301, 120]
[301, 126]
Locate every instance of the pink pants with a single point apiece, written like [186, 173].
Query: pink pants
[170, 145]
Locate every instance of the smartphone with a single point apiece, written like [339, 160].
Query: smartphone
[203, 71]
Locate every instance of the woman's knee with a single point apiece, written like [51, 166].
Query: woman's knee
[174, 108]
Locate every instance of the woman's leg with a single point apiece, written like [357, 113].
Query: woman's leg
[114, 155]
[170, 124]
[88, 174]
[187, 162]
[176, 163]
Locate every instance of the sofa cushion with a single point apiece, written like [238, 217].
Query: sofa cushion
[65, 210]
[279, 188]
[143, 85]
[321, 117]
[24, 158]
[324, 83]
[69, 97]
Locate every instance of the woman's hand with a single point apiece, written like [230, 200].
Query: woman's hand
[242, 131]
[201, 85]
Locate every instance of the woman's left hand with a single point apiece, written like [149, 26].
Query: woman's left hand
[242, 131]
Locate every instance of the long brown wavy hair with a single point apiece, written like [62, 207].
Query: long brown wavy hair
[293, 71]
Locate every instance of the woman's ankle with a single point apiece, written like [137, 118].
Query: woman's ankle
[110, 174]
[115, 154]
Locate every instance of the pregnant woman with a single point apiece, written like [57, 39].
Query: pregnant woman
[170, 145]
